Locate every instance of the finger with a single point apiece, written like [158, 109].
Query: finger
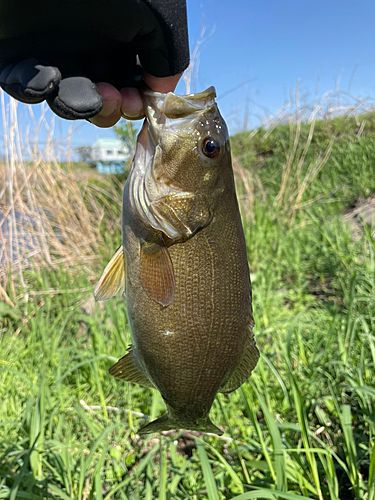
[132, 104]
[76, 98]
[28, 81]
[164, 84]
[111, 110]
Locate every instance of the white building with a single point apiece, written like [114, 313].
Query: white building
[109, 150]
[109, 156]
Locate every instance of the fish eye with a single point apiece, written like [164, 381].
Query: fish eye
[210, 147]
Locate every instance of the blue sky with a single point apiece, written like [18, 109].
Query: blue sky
[255, 52]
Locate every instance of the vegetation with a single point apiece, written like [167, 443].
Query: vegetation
[301, 427]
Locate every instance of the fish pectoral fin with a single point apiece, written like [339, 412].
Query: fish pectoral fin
[157, 274]
[128, 369]
[112, 280]
[246, 365]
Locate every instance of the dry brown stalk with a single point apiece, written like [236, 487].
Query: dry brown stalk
[248, 187]
[50, 214]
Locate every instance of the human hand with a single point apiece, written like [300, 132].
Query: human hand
[77, 97]
[59, 54]
[128, 101]
[30, 82]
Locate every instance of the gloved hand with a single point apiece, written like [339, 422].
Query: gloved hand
[32, 82]
[55, 50]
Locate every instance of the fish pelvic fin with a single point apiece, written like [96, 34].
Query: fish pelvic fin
[112, 280]
[127, 368]
[157, 274]
[246, 365]
[167, 422]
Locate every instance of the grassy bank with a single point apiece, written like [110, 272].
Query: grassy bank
[301, 427]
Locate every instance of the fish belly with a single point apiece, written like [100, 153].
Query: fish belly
[190, 348]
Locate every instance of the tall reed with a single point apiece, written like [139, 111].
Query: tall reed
[50, 212]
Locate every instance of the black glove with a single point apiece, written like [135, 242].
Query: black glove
[30, 82]
[55, 50]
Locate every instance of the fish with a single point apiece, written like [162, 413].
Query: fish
[183, 264]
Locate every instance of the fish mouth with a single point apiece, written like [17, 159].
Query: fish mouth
[175, 112]
[165, 113]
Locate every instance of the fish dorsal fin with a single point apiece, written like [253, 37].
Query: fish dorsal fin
[156, 273]
[246, 365]
[128, 369]
[112, 281]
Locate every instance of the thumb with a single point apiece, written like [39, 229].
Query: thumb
[162, 84]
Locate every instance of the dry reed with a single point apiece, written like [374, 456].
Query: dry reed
[298, 170]
[50, 213]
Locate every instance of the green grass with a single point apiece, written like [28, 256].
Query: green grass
[301, 427]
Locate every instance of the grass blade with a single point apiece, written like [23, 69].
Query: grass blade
[208, 475]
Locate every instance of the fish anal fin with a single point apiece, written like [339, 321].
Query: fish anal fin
[246, 365]
[112, 280]
[128, 369]
[156, 273]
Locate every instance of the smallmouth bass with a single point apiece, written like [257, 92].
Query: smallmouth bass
[183, 263]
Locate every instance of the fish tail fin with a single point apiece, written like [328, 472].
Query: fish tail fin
[167, 422]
